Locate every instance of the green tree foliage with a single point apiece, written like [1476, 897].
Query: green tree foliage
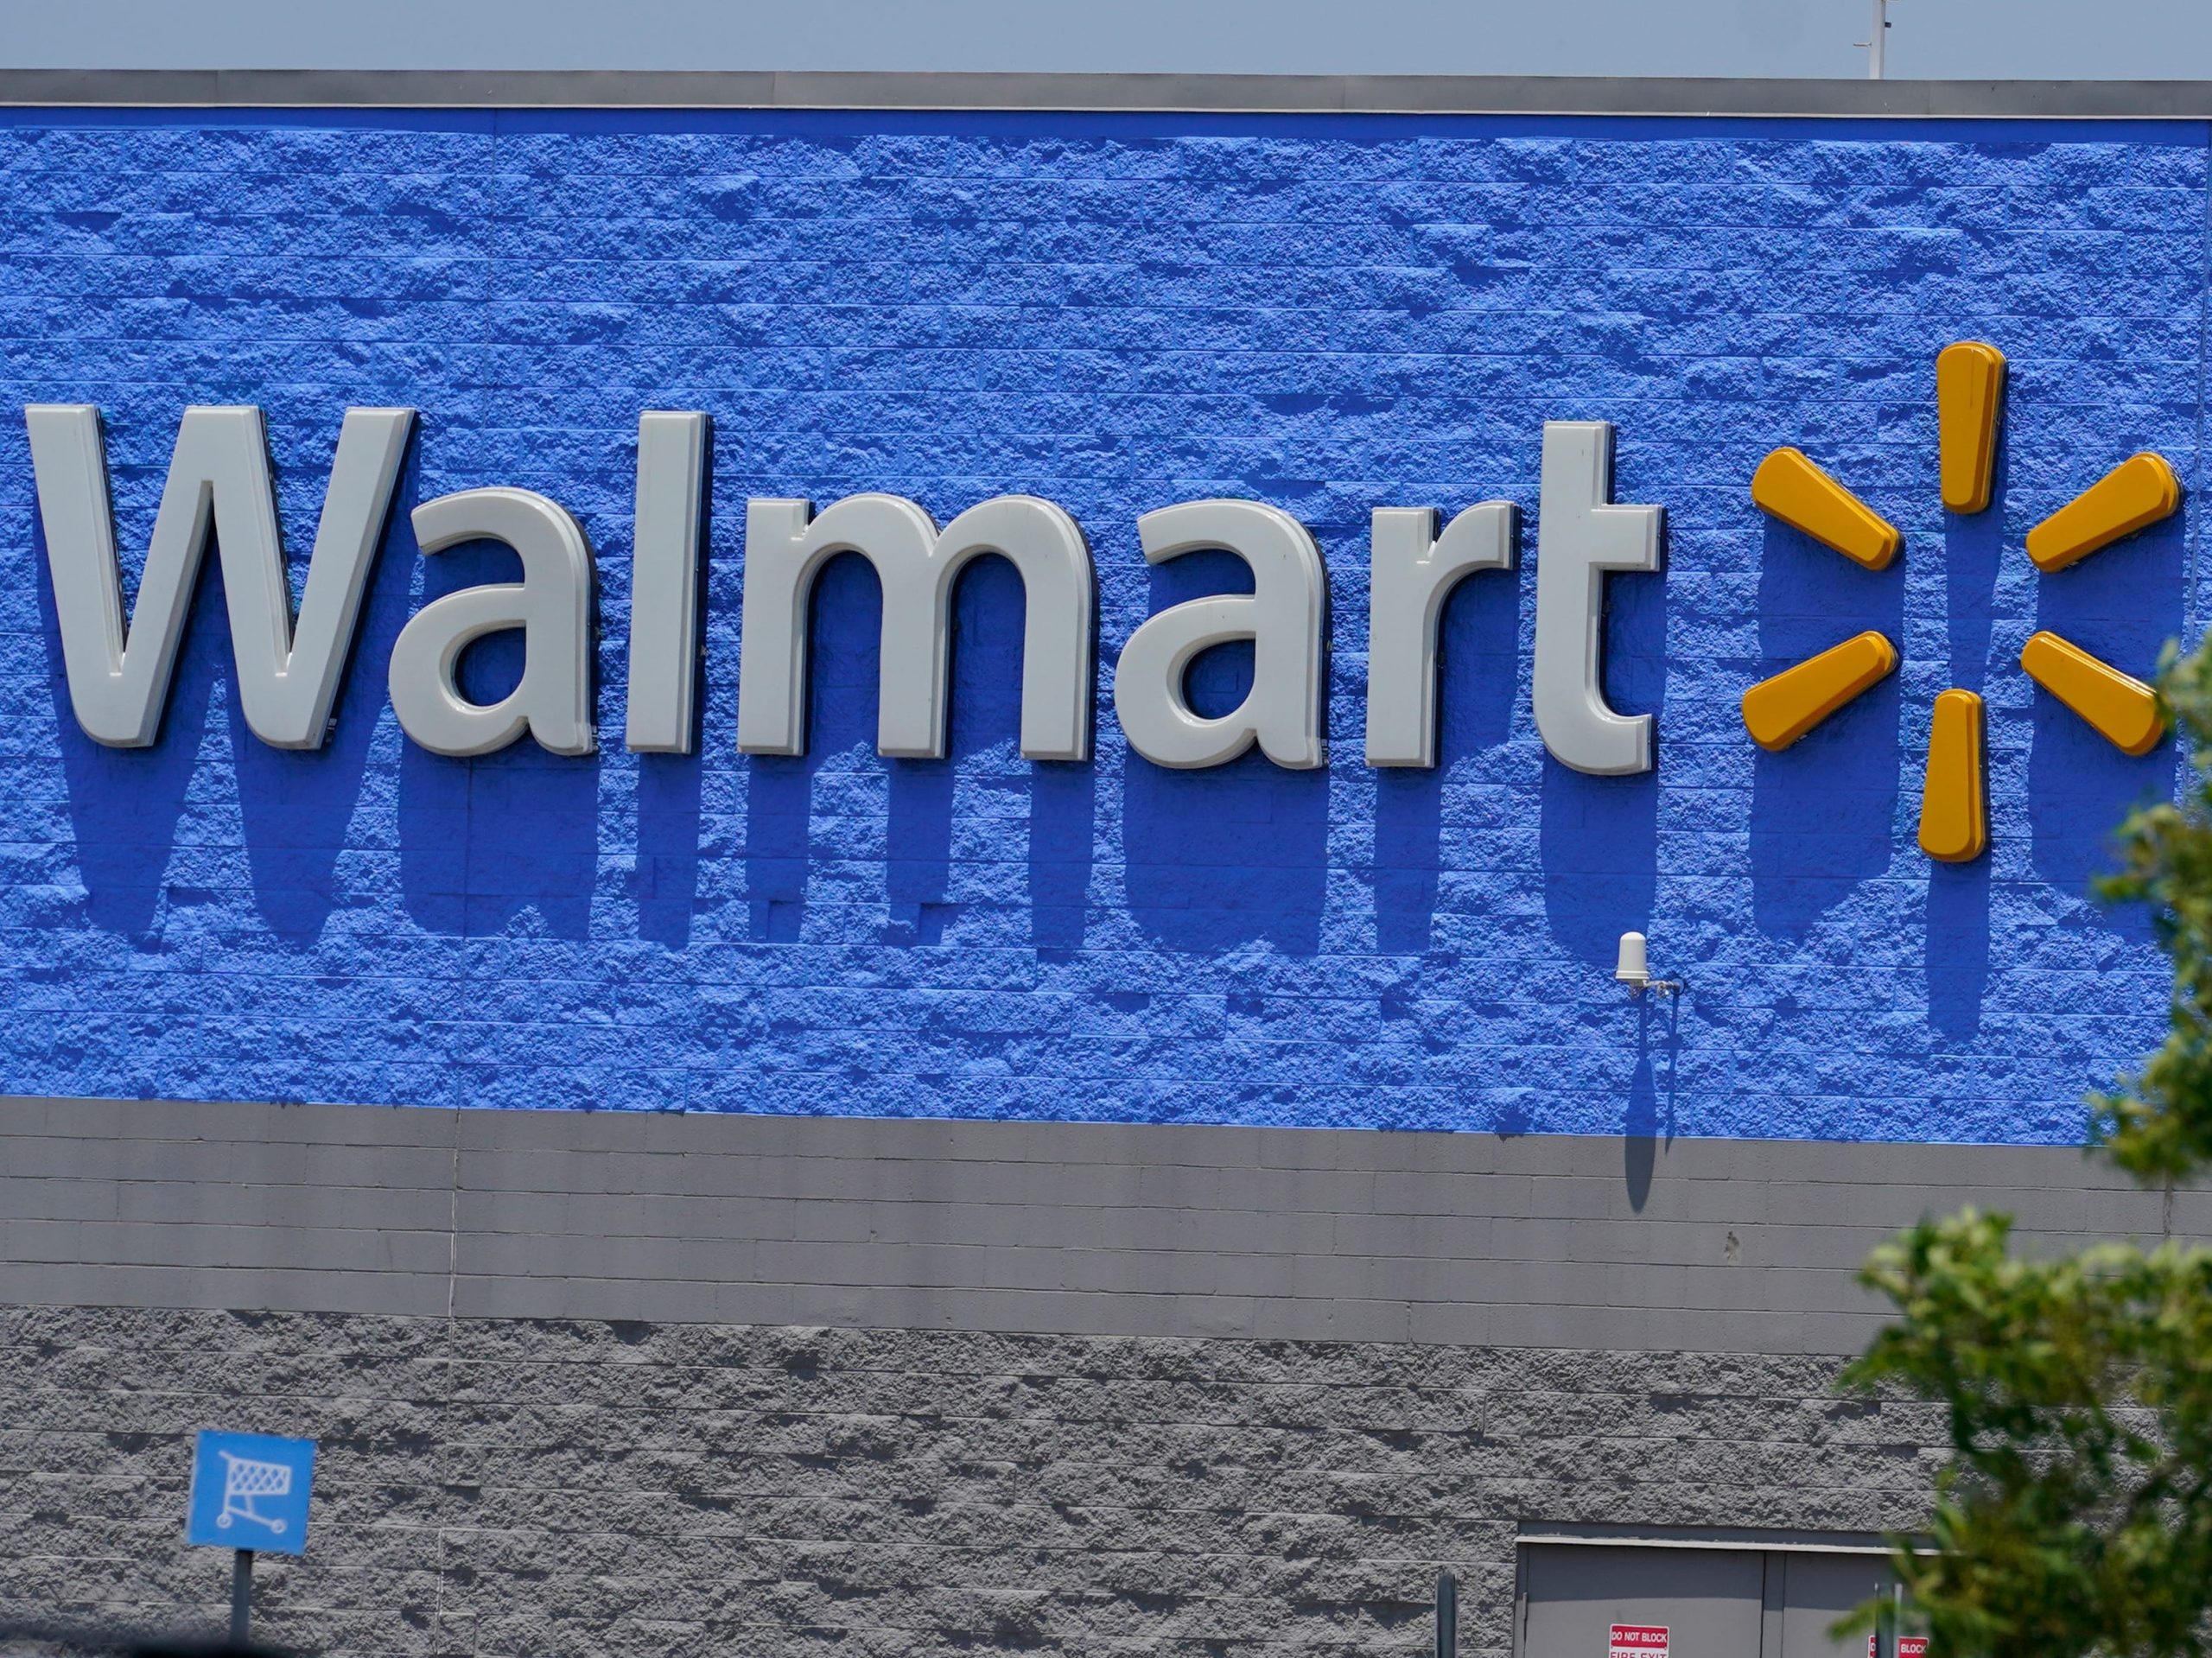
[2075, 1513]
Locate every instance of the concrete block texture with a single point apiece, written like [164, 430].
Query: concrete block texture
[1535, 1240]
[538, 1487]
[1326, 309]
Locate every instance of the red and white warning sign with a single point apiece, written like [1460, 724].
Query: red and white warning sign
[1912, 1646]
[1639, 1640]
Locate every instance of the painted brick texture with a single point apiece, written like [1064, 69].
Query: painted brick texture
[522, 1487]
[1329, 314]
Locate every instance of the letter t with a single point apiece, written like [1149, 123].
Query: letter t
[1580, 535]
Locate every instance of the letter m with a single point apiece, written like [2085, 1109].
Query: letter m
[218, 481]
[786, 546]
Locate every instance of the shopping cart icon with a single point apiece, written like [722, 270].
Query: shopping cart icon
[245, 1478]
[250, 1492]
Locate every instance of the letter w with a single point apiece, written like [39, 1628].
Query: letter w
[218, 480]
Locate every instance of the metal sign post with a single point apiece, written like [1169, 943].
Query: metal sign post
[241, 1595]
[1448, 1616]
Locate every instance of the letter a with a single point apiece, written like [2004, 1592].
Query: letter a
[1284, 616]
[218, 480]
[551, 605]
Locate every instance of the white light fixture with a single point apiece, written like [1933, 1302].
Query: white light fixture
[1633, 970]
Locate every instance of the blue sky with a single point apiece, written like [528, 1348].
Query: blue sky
[1965, 39]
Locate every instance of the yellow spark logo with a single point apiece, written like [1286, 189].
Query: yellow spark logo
[1953, 802]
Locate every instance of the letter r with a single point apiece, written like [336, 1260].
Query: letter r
[1580, 535]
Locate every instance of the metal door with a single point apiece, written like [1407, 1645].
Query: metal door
[1818, 1589]
[1708, 1601]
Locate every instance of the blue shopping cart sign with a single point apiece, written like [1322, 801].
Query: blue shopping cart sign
[249, 1491]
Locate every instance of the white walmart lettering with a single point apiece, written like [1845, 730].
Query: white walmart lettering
[220, 483]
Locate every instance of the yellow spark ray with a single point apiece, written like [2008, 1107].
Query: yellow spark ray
[1780, 710]
[2138, 492]
[1788, 487]
[1969, 392]
[1954, 796]
[2124, 712]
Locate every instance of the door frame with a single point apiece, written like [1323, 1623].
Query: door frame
[1768, 1541]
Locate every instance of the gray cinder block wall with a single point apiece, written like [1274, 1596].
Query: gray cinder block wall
[538, 1486]
[617, 1384]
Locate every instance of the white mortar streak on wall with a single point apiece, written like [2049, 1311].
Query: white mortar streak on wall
[453, 1230]
[2192, 608]
[453, 1282]
[2192, 564]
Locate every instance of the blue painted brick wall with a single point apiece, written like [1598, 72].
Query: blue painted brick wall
[1115, 313]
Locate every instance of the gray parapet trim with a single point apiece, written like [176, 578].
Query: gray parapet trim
[1535, 1241]
[1192, 94]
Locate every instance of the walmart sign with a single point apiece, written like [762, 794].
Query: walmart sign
[1137, 617]
[219, 489]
